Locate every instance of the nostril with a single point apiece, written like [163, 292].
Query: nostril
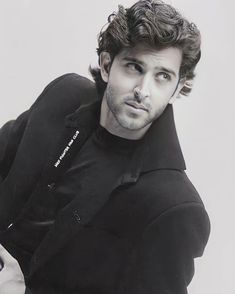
[140, 94]
[136, 92]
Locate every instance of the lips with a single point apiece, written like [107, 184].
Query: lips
[136, 105]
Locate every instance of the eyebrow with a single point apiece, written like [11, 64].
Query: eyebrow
[162, 68]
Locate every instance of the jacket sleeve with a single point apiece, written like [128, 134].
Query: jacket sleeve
[12, 132]
[162, 262]
[10, 136]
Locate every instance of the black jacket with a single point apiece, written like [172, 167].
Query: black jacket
[141, 238]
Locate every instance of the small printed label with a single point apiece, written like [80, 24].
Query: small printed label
[66, 149]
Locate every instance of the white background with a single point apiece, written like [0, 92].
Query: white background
[40, 40]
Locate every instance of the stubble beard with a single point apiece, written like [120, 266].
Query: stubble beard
[131, 122]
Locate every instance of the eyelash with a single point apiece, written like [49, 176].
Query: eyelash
[138, 68]
[168, 77]
[135, 65]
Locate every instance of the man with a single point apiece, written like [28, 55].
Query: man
[94, 197]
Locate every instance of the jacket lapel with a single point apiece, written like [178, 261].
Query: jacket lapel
[72, 137]
[162, 147]
[78, 128]
[68, 223]
[75, 216]
[79, 213]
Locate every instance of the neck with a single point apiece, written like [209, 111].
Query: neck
[110, 123]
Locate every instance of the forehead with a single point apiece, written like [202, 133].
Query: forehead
[170, 57]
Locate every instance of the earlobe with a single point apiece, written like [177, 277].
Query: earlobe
[105, 63]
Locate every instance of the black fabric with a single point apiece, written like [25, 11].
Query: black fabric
[101, 161]
[140, 237]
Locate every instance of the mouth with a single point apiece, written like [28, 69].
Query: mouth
[136, 105]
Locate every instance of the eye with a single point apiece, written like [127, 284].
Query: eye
[134, 67]
[163, 76]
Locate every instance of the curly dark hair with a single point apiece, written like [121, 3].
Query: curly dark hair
[153, 23]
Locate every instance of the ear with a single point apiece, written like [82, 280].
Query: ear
[105, 65]
[177, 91]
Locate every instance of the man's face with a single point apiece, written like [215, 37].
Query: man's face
[140, 83]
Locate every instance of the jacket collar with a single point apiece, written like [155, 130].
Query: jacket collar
[162, 144]
[161, 148]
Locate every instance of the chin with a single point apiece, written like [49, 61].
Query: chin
[132, 124]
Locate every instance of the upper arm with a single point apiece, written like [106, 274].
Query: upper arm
[11, 133]
[162, 260]
[10, 136]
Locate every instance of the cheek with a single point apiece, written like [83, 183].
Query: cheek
[159, 102]
[121, 87]
[161, 95]
[122, 83]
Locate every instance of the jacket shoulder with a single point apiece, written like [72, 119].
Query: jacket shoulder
[68, 91]
[132, 207]
[173, 186]
[161, 190]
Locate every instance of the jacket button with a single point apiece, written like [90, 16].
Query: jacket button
[76, 216]
[10, 225]
[51, 186]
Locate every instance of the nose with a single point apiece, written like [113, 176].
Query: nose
[142, 91]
